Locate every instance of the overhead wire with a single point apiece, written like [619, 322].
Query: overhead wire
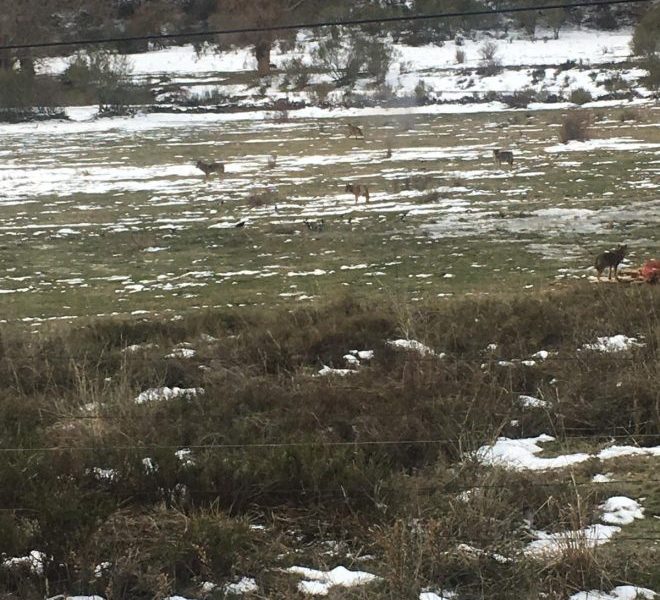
[291, 444]
[318, 24]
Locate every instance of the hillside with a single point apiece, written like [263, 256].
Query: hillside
[544, 70]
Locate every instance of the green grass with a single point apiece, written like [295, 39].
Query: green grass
[377, 235]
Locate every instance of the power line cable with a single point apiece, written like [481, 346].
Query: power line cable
[277, 445]
[318, 24]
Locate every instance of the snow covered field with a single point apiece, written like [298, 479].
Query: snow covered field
[113, 212]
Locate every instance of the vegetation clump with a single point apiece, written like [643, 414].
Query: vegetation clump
[575, 126]
[141, 500]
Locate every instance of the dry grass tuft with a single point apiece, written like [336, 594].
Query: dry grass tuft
[97, 478]
[575, 126]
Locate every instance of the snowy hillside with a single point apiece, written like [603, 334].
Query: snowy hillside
[550, 70]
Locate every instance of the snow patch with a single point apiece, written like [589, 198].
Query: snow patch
[414, 346]
[615, 343]
[441, 595]
[330, 371]
[181, 353]
[532, 402]
[520, 455]
[167, 393]
[621, 592]
[552, 544]
[620, 510]
[245, 585]
[319, 583]
[33, 561]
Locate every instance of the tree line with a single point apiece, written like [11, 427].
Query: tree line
[31, 21]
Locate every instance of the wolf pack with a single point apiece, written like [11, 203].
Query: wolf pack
[609, 260]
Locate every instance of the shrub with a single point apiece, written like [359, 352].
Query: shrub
[25, 98]
[336, 57]
[490, 68]
[384, 93]
[320, 93]
[652, 66]
[645, 41]
[105, 74]
[488, 50]
[347, 57]
[580, 96]
[116, 110]
[574, 126]
[528, 21]
[520, 98]
[297, 72]
[491, 64]
[378, 57]
[281, 112]
[605, 19]
[265, 198]
[538, 75]
[205, 98]
[615, 83]
[421, 92]
[38, 113]
[460, 56]
[150, 551]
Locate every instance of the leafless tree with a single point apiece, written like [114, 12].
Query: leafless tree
[260, 13]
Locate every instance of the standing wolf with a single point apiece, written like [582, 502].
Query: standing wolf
[354, 130]
[358, 189]
[501, 156]
[610, 259]
[210, 167]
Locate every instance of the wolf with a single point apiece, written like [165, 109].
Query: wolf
[210, 167]
[610, 259]
[501, 156]
[318, 226]
[358, 189]
[354, 130]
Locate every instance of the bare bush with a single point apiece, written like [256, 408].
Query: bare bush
[631, 114]
[265, 198]
[297, 73]
[319, 94]
[347, 57]
[520, 98]
[488, 50]
[490, 62]
[104, 74]
[460, 56]
[580, 96]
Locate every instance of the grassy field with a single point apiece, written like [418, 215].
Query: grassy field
[112, 216]
[272, 466]
[123, 272]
